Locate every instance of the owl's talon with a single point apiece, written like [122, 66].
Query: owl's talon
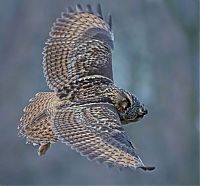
[43, 148]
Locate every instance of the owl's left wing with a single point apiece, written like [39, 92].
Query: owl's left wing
[95, 131]
[80, 45]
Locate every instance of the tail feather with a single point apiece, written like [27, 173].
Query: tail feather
[35, 124]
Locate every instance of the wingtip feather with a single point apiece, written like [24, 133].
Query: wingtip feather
[89, 9]
[99, 11]
[147, 168]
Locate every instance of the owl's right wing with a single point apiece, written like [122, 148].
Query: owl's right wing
[95, 131]
[80, 45]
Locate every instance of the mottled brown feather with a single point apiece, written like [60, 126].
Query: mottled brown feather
[95, 131]
[36, 123]
[79, 45]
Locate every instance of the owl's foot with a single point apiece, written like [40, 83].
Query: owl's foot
[43, 148]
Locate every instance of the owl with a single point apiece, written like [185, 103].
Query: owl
[85, 109]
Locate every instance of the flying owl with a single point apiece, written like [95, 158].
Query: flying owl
[85, 109]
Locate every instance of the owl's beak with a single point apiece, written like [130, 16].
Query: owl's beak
[142, 111]
[145, 111]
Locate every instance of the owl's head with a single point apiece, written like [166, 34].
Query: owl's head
[130, 109]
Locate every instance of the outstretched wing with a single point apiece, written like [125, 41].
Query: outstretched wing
[36, 124]
[80, 45]
[95, 131]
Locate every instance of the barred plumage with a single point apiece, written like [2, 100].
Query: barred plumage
[79, 45]
[95, 131]
[86, 110]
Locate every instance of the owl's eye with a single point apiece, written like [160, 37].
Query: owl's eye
[123, 105]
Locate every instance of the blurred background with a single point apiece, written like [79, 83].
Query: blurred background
[156, 57]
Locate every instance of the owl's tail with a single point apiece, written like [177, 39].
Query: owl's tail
[35, 124]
